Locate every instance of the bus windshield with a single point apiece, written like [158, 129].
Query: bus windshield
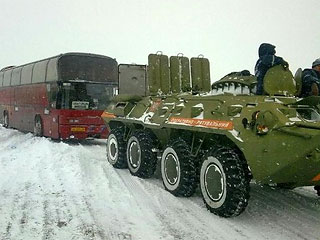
[85, 95]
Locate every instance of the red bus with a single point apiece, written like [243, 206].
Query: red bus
[61, 97]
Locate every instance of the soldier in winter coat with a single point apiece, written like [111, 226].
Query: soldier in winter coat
[267, 59]
[311, 80]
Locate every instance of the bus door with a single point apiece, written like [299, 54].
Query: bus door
[17, 110]
[51, 112]
[28, 108]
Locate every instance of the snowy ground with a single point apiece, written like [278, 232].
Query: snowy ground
[55, 190]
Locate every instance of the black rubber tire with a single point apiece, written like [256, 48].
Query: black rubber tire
[317, 188]
[38, 126]
[183, 181]
[116, 148]
[232, 176]
[5, 119]
[142, 161]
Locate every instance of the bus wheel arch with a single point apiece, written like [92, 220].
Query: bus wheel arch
[38, 126]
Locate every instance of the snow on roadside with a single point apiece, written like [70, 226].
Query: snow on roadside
[56, 190]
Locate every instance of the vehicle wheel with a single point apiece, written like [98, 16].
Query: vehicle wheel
[142, 161]
[224, 182]
[38, 126]
[116, 148]
[5, 119]
[317, 188]
[178, 169]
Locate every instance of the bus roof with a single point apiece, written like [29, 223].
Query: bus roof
[61, 67]
[58, 57]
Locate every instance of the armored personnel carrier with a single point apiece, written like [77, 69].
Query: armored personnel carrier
[218, 137]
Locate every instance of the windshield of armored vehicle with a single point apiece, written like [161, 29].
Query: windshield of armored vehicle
[309, 114]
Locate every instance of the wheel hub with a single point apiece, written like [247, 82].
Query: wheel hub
[134, 154]
[112, 149]
[214, 182]
[171, 169]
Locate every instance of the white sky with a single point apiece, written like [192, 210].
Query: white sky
[228, 32]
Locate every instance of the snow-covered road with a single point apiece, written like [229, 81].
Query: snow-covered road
[56, 190]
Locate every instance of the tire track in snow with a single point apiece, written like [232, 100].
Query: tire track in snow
[59, 215]
[171, 226]
[110, 234]
[9, 225]
[206, 222]
[280, 198]
[283, 217]
[48, 186]
[14, 182]
[70, 208]
[137, 193]
[47, 229]
[192, 223]
[19, 213]
[73, 198]
[143, 213]
[273, 222]
[195, 216]
[25, 207]
[243, 226]
[87, 180]
[19, 180]
[89, 224]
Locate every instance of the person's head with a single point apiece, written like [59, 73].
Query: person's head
[316, 65]
[266, 49]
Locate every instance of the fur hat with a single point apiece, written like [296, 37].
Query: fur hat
[316, 63]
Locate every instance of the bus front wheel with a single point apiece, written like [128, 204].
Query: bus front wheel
[38, 127]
